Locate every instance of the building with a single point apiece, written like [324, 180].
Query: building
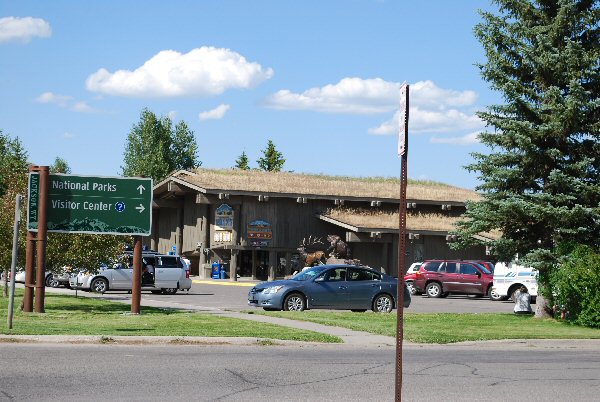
[255, 221]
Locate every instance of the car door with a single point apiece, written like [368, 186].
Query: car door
[470, 279]
[362, 287]
[451, 277]
[167, 271]
[120, 276]
[329, 289]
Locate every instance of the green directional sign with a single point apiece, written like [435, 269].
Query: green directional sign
[98, 205]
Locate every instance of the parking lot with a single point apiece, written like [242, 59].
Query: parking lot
[226, 295]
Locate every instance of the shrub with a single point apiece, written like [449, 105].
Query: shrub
[576, 286]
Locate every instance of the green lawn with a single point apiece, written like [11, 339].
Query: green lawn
[447, 328]
[67, 315]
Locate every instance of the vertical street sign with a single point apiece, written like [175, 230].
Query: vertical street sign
[403, 154]
[97, 205]
[403, 120]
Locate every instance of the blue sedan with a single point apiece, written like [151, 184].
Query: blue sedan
[337, 287]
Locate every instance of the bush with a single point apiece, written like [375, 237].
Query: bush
[576, 286]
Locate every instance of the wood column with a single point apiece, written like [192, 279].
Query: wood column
[272, 265]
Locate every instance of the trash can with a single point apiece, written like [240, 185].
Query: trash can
[215, 270]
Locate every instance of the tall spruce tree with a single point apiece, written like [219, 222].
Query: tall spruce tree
[541, 178]
[154, 149]
[242, 162]
[272, 160]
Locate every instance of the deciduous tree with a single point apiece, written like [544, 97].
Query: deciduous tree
[154, 148]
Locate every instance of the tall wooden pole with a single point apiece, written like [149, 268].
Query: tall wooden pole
[403, 153]
[136, 286]
[42, 238]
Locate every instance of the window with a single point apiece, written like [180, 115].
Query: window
[338, 274]
[432, 266]
[355, 274]
[450, 267]
[169, 262]
[468, 269]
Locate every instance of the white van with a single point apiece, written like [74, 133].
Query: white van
[170, 275]
[510, 277]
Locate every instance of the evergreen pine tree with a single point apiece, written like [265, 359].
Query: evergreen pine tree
[540, 180]
[272, 160]
[242, 162]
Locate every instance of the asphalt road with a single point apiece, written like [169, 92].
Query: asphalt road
[233, 296]
[492, 372]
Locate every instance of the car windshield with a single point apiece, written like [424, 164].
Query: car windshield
[307, 274]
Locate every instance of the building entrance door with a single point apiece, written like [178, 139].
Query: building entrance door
[262, 264]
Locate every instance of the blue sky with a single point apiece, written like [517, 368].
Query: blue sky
[319, 78]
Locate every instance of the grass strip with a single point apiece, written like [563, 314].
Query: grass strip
[447, 327]
[68, 315]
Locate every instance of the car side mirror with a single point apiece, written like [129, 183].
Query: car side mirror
[478, 274]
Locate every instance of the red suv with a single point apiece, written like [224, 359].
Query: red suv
[438, 278]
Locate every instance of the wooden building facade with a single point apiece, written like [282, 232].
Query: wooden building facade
[254, 222]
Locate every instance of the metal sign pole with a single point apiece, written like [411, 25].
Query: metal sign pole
[13, 265]
[136, 286]
[403, 153]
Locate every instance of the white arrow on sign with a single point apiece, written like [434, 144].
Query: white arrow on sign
[140, 208]
[141, 188]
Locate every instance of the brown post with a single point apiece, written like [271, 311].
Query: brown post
[40, 281]
[29, 277]
[136, 286]
[403, 153]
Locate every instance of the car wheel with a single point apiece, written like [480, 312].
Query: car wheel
[294, 302]
[51, 282]
[494, 295]
[169, 291]
[411, 288]
[383, 304]
[99, 285]
[433, 289]
[358, 310]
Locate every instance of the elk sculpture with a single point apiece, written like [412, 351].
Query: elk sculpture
[313, 258]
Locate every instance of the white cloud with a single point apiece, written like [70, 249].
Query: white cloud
[65, 101]
[67, 136]
[472, 138]
[216, 113]
[15, 29]
[82, 107]
[431, 121]
[49, 97]
[201, 72]
[172, 115]
[368, 96]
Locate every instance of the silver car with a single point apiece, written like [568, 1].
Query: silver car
[169, 275]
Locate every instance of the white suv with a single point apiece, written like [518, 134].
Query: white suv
[170, 274]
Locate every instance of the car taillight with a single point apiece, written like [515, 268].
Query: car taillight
[187, 274]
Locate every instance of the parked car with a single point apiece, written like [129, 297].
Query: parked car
[169, 276]
[510, 277]
[339, 287]
[20, 277]
[438, 278]
[410, 277]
